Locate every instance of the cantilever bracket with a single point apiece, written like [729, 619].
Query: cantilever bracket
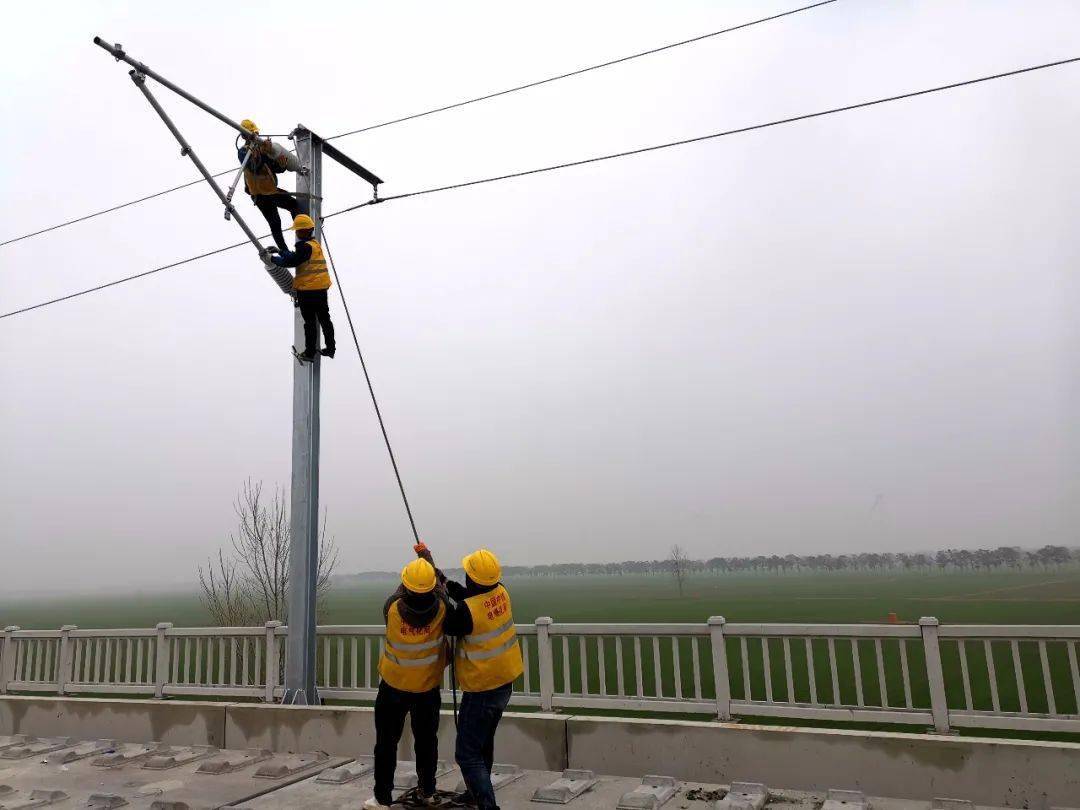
[336, 154]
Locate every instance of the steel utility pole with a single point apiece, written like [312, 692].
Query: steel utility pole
[300, 658]
[304, 521]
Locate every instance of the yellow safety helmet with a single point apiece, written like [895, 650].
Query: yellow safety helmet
[303, 223]
[419, 576]
[482, 567]
[250, 126]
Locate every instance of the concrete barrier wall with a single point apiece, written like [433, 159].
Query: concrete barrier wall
[1012, 773]
[173, 722]
[1015, 773]
[535, 741]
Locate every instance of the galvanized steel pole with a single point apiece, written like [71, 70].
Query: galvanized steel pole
[118, 52]
[300, 685]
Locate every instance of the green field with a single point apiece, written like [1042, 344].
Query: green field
[1025, 597]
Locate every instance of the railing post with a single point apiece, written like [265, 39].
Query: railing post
[720, 668]
[63, 662]
[547, 664]
[7, 660]
[161, 659]
[273, 664]
[935, 676]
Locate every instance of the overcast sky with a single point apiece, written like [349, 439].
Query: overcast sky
[852, 333]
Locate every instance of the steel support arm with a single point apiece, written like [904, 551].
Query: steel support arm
[185, 149]
[118, 52]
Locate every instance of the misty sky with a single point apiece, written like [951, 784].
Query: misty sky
[736, 345]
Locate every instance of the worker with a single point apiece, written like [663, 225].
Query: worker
[264, 163]
[310, 285]
[487, 662]
[411, 668]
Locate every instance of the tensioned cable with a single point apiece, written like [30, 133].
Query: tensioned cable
[114, 208]
[444, 108]
[578, 72]
[699, 138]
[371, 389]
[597, 159]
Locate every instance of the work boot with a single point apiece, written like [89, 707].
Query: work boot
[329, 351]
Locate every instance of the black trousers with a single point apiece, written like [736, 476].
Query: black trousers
[315, 309]
[391, 706]
[269, 204]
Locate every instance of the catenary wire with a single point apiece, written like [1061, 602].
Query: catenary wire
[371, 388]
[596, 159]
[110, 210]
[444, 108]
[578, 72]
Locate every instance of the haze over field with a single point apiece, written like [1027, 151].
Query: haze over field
[845, 335]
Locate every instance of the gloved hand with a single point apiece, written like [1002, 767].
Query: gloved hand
[456, 590]
[423, 552]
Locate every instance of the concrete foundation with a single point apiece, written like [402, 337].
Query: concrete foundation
[1011, 773]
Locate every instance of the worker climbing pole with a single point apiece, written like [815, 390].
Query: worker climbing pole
[260, 162]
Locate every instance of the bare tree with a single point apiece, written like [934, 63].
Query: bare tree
[678, 562]
[252, 583]
[225, 595]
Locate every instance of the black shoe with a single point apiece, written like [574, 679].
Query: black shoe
[306, 356]
[328, 352]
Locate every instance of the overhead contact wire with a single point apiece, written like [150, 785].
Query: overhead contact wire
[444, 108]
[596, 159]
[458, 104]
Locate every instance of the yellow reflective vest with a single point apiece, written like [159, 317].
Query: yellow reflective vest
[263, 181]
[312, 275]
[413, 658]
[489, 657]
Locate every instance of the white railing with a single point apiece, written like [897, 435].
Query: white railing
[1022, 677]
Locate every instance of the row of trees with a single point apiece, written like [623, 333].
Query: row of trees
[677, 563]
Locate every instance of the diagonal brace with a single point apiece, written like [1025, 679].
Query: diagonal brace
[185, 149]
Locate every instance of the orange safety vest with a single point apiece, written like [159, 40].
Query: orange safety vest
[413, 658]
[489, 657]
[312, 275]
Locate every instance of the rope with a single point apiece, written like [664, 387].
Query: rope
[578, 72]
[438, 110]
[371, 389]
[597, 159]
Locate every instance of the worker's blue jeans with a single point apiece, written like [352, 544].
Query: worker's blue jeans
[478, 719]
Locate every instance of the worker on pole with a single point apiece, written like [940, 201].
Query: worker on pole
[263, 161]
[411, 668]
[487, 662]
[310, 286]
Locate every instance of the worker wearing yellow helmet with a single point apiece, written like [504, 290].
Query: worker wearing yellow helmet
[411, 668]
[310, 287]
[487, 662]
[263, 161]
